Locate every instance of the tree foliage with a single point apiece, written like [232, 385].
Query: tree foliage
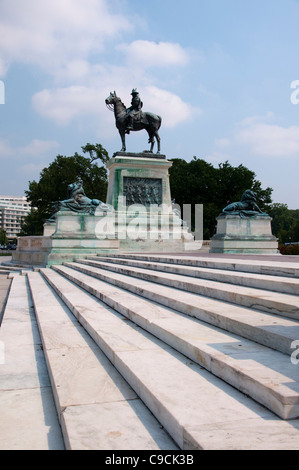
[285, 223]
[199, 182]
[54, 180]
[3, 237]
[194, 182]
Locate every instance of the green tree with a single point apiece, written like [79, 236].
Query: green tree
[3, 237]
[295, 231]
[285, 223]
[281, 221]
[199, 182]
[54, 180]
[33, 223]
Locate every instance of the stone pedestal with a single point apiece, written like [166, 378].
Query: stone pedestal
[49, 228]
[139, 192]
[138, 178]
[75, 236]
[236, 234]
[79, 235]
[32, 251]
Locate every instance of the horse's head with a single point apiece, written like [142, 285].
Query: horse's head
[112, 101]
[111, 98]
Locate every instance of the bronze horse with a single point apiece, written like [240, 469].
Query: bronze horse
[148, 121]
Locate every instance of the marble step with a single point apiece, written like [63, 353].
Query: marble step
[97, 408]
[184, 397]
[269, 330]
[267, 282]
[7, 269]
[29, 419]
[267, 301]
[260, 266]
[266, 375]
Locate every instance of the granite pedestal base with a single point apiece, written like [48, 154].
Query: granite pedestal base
[251, 235]
[72, 236]
[140, 178]
[79, 235]
[139, 192]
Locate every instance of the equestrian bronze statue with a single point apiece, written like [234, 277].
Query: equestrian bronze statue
[134, 119]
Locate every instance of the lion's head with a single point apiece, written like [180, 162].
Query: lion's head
[248, 195]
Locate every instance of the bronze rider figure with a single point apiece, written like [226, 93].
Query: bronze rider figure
[133, 110]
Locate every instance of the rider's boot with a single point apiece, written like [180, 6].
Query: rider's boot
[129, 125]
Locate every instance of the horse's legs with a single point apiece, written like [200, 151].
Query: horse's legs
[158, 141]
[123, 140]
[151, 140]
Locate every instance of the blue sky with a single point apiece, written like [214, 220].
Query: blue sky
[219, 72]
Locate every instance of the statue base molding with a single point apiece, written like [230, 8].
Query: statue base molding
[70, 236]
[74, 235]
[244, 235]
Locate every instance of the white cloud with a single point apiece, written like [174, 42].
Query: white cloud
[223, 142]
[38, 148]
[35, 149]
[5, 149]
[63, 105]
[24, 162]
[170, 106]
[61, 37]
[76, 71]
[32, 169]
[148, 53]
[217, 157]
[51, 32]
[269, 140]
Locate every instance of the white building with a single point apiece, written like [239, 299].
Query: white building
[13, 210]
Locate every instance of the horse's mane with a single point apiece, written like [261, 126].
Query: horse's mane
[123, 105]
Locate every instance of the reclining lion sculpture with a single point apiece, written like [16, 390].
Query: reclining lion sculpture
[246, 207]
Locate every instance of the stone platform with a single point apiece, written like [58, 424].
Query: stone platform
[239, 235]
[138, 216]
[154, 352]
[79, 235]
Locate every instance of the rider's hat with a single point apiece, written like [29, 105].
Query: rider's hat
[134, 91]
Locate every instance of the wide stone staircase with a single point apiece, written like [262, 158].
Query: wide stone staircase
[153, 352]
